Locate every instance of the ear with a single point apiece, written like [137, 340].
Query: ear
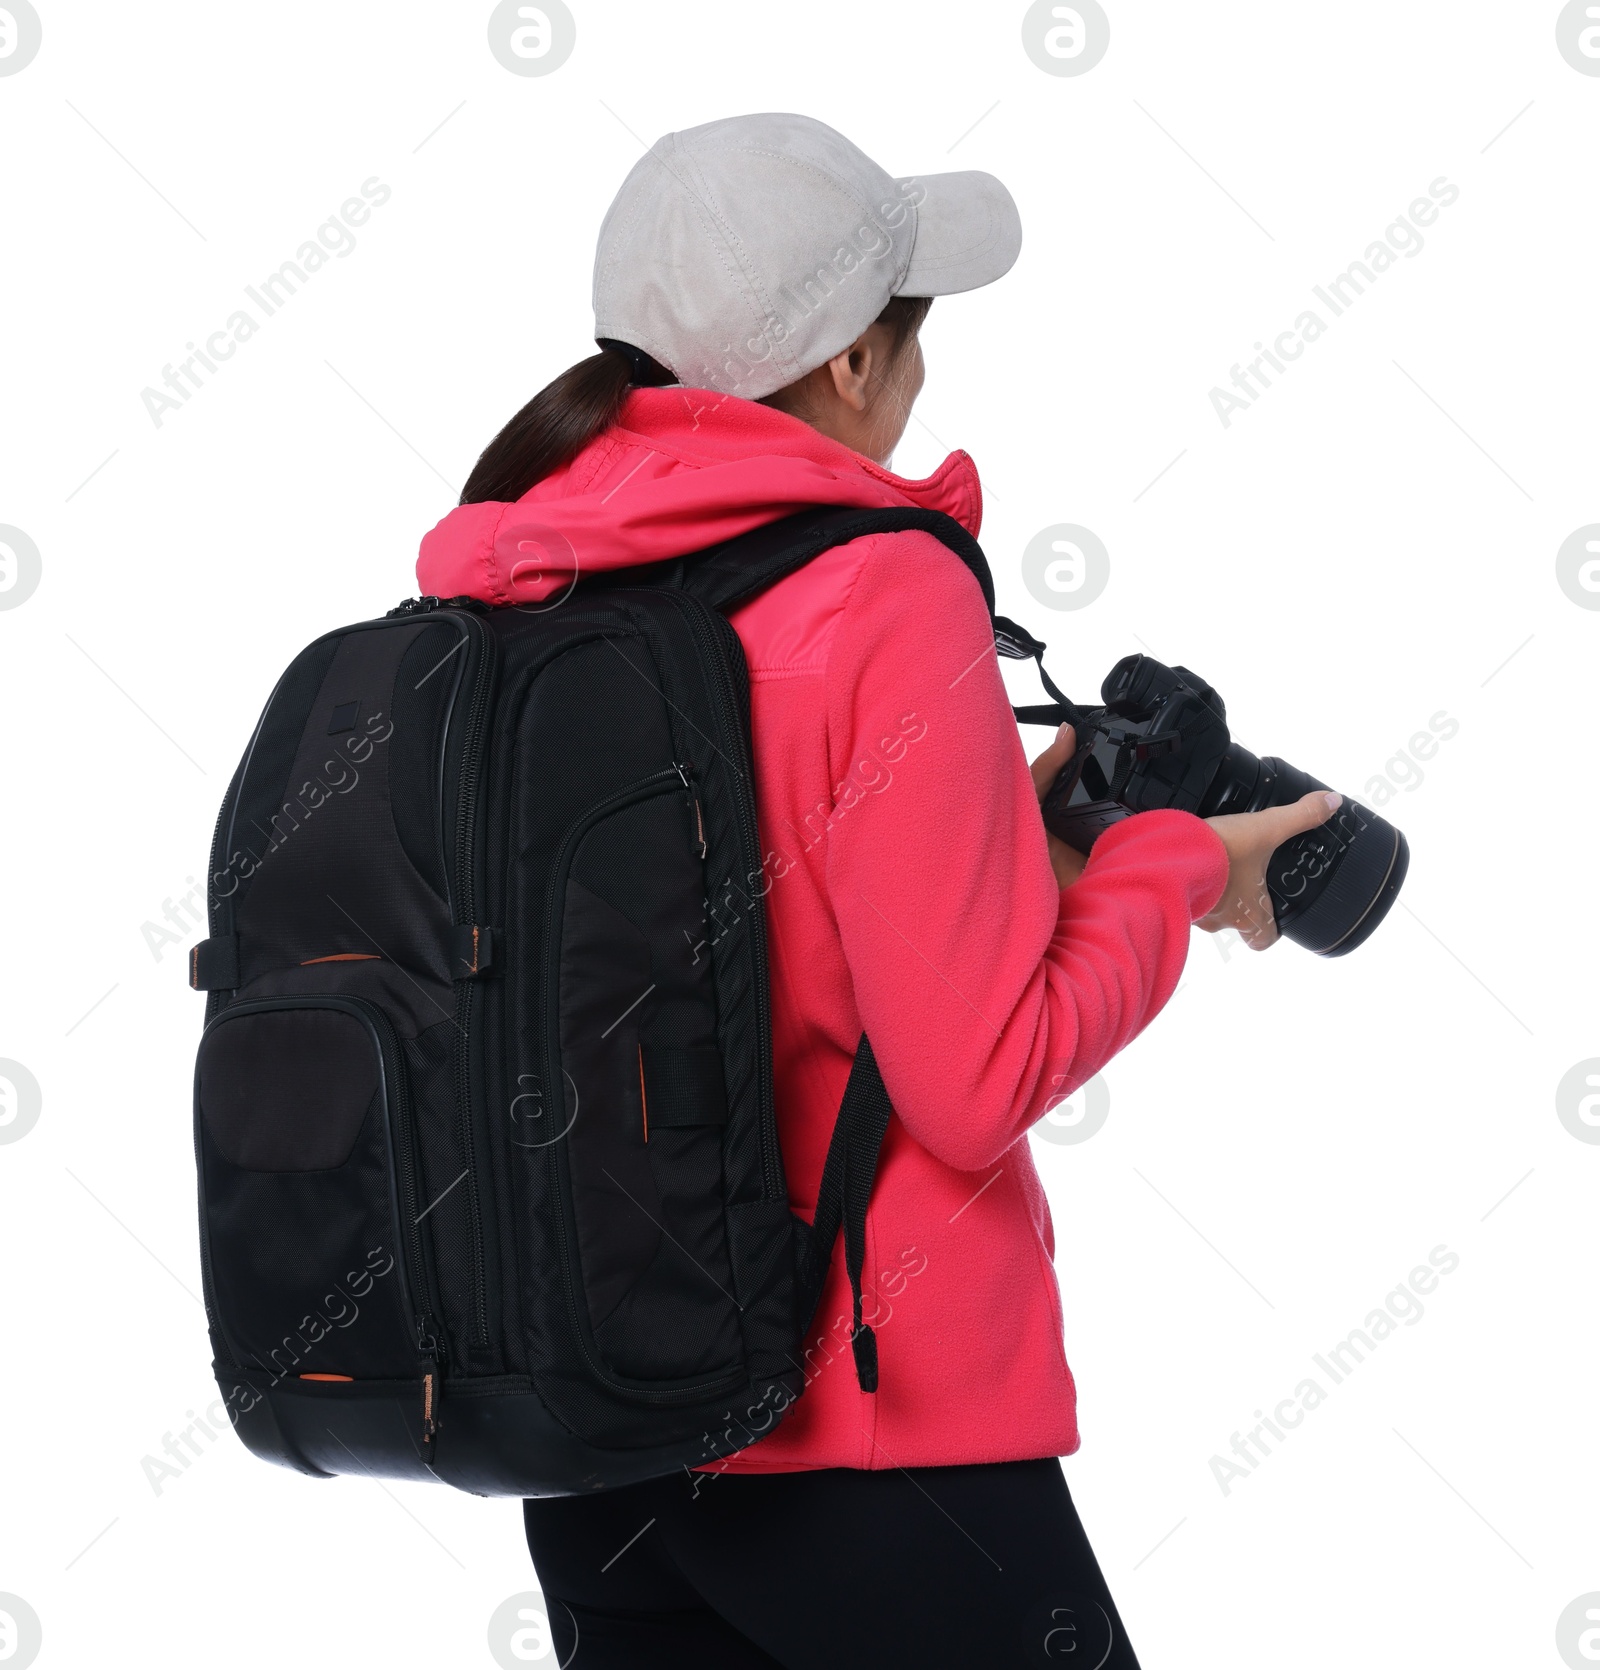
[852, 371]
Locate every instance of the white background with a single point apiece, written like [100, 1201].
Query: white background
[1343, 562]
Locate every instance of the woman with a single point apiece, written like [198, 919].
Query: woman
[759, 286]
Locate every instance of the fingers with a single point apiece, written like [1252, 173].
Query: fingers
[1257, 932]
[1284, 822]
[1250, 837]
[1067, 862]
[1257, 927]
[1047, 767]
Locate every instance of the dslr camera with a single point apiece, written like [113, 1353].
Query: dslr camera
[1161, 739]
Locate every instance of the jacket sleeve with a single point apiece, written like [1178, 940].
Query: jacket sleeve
[988, 992]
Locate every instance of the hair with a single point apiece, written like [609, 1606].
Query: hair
[587, 398]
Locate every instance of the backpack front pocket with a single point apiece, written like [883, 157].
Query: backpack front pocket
[633, 1017]
[312, 1255]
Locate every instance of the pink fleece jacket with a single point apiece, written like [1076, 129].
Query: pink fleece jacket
[913, 899]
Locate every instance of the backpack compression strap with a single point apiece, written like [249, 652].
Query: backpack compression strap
[723, 577]
[846, 1187]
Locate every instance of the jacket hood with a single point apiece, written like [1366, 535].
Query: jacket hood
[682, 469]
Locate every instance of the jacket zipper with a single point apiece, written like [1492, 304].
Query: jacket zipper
[643, 789]
[713, 634]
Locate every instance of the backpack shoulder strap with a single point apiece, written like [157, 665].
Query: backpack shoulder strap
[723, 577]
[726, 575]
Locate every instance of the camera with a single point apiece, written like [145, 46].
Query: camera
[1161, 739]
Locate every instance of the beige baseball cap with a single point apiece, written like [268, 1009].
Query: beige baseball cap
[742, 254]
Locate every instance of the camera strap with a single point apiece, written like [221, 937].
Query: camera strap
[1016, 643]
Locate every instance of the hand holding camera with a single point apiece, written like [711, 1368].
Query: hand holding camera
[1303, 862]
[1250, 837]
[1067, 862]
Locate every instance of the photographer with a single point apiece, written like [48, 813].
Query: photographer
[760, 284]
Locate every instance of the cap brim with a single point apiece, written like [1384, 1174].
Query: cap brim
[968, 233]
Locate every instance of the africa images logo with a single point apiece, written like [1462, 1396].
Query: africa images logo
[532, 40]
[20, 567]
[20, 1104]
[519, 1633]
[20, 35]
[1066, 40]
[21, 1634]
[1578, 39]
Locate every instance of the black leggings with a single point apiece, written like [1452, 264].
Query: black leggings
[830, 1570]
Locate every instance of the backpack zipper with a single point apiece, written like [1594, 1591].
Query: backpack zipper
[430, 1341]
[713, 633]
[694, 800]
[466, 905]
[216, 913]
[208, 1293]
[427, 605]
[429, 1337]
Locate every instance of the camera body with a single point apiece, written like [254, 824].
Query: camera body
[1161, 739]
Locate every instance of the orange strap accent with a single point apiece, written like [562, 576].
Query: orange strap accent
[345, 1377]
[343, 957]
[644, 1106]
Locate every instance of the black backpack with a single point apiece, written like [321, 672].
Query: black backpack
[490, 1188]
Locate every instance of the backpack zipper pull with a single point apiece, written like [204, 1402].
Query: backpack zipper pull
[430, 1420]
[431, 1350]
[699, 822]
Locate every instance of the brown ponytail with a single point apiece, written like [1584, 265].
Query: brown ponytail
[587, 398]
[555, 426]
